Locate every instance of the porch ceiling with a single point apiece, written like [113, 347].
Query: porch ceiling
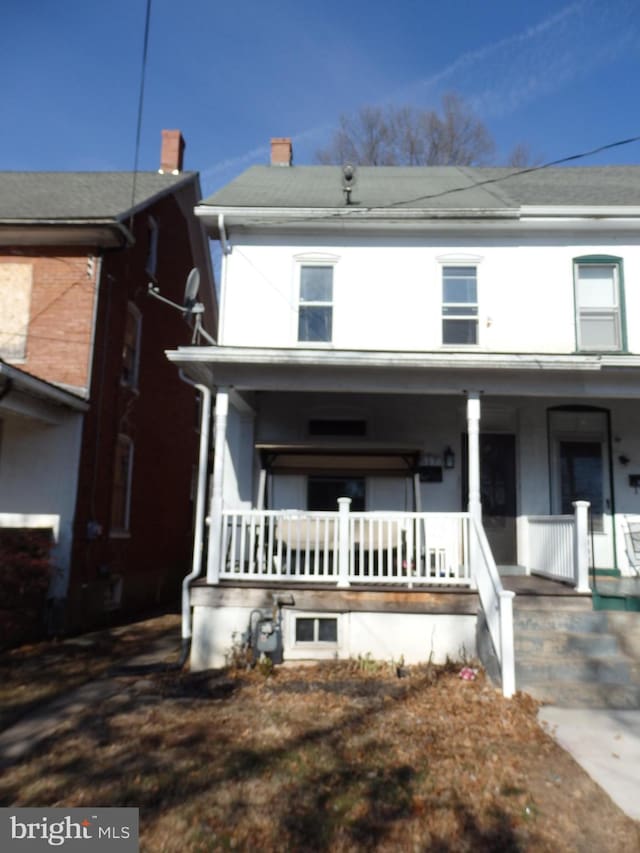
[330, 370]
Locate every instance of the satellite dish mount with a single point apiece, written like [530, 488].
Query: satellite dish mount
[190, 306]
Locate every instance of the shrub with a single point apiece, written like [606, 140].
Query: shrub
[25, 569]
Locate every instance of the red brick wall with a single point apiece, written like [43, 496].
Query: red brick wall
[160, 418]
[61, 313]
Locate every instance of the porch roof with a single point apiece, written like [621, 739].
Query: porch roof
[332, 456]
[332, 370]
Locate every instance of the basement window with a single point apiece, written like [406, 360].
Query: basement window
[316, 629]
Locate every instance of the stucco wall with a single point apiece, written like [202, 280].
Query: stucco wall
[414, 637]
[38, 474]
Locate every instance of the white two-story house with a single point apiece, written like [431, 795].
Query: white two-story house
[456, 352]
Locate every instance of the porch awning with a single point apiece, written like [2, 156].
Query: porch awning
[338, 459]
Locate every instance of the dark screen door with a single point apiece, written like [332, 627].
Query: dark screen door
[497, 493]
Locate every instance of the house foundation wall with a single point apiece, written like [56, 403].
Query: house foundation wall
[413, 637]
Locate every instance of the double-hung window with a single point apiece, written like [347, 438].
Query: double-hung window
[315, 310]
[459, 305]
[131, 347]
[598, 299]
[121, 486]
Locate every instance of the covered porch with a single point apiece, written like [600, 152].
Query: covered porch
[419, 472]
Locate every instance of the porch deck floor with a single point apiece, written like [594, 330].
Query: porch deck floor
[532, 585]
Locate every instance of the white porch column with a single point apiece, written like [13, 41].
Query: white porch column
[473, 432]
[215, 516]
[343, 542]
[581, 546]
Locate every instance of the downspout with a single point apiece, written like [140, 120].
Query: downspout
[198, 536]
[226, 250]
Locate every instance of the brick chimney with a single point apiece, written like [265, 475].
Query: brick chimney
[281, 151]
[172, 152]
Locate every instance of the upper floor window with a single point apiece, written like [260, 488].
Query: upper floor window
[152, 251]
[599, 304]
[131, 347]
[459, 305]
[315, 311]
[15, 304]
[121, 486]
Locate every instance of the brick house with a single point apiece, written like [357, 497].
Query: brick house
[77, 254]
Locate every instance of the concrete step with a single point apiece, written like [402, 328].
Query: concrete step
[581, 621]
[582, 695]
[564, 643]
[612, 670]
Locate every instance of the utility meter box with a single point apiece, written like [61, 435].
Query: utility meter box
[267, 635]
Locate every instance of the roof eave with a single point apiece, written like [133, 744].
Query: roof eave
[100, 232]
[41, 388]
[269, 217]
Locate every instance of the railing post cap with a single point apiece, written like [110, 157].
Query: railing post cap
[344, 501]
[578, 504]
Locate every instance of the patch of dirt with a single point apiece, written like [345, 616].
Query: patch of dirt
[324, 758]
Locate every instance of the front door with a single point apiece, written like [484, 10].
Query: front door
[580, 467]
[497, 493]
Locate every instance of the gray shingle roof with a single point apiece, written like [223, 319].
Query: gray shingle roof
[68, 196]
[430, 188]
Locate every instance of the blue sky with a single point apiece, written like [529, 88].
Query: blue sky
[562, 77]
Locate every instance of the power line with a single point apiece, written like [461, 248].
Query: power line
[528, 170]
[143, 73]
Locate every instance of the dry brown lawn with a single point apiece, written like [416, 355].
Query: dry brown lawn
[335, 757]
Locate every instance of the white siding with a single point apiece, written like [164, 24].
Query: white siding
[38, 474]
[388, 291]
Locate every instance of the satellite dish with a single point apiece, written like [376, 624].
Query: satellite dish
[348, 173]
[191, 289]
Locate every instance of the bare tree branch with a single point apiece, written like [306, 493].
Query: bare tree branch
[406, 136]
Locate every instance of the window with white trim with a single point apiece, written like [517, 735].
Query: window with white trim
[598, 300]
[315, 309]
[459, 305]
[131, 347]
[316, 629]
[121, 487]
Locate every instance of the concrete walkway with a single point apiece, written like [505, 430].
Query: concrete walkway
[605, 743]
[23, 737]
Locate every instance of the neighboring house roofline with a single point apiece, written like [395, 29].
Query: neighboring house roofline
[25, 382]
[105, 233]
[104, 229]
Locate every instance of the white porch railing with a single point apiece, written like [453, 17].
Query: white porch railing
[497, 604]
[345, 548]
[558, 546]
